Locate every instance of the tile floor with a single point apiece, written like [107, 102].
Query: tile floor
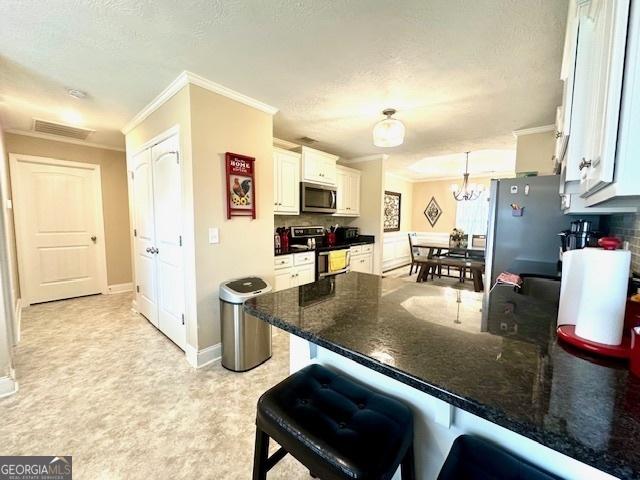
[98, 382]
[403, 274]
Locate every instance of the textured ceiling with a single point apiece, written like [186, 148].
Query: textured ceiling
[462, 74]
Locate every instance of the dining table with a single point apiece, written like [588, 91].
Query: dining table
[443, 254]
[437, 249]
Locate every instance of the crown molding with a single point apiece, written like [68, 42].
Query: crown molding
[285, 144]
[366, 158]
[184, 79]
[529, 131]
[55, 138]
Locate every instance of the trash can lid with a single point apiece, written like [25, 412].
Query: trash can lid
[237, 291]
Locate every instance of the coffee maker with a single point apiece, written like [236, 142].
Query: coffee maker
[578, 236]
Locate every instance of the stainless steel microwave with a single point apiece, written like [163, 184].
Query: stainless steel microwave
[315, 198]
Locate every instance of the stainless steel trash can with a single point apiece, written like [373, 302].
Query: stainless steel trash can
[246, 340]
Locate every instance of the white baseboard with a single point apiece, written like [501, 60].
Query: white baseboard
[120, 288]
[18, 317]
[8, 386]
[200, 358]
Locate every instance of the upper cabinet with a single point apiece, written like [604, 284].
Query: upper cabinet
[286, 182]
[600, 57]
[605, 29]
[318, 167]
[348, 192]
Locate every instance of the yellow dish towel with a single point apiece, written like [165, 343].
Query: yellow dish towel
[337, 260]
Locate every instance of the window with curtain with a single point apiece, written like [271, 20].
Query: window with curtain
[472, 216]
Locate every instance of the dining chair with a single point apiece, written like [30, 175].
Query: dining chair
[417, 253]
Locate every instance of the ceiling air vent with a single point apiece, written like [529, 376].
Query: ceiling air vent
[307, 140]
[61, 130]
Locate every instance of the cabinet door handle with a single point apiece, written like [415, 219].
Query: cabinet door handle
[584, 164]
[558, 134]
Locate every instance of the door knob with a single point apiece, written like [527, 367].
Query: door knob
[94, 238]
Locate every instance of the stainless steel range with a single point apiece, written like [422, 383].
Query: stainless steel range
[300, 237]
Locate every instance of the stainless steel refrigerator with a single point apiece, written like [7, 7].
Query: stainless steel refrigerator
[529, 241]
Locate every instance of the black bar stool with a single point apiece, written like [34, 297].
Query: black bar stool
[337, 428]
[476, 459]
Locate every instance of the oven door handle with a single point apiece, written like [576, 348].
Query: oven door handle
[331, 274]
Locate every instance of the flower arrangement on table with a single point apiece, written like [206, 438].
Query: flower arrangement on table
[457, 238]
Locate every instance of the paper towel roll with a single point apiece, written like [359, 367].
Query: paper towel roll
[593, 293]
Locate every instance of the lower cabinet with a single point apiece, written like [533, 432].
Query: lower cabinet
[294, 270]
[362, 259]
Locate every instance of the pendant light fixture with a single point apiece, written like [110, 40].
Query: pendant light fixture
[388, 132]
[466, 191]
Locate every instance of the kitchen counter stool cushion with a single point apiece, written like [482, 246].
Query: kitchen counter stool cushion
[476, 459]
[336, 427]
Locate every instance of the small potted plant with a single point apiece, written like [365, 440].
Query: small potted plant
[457, 238]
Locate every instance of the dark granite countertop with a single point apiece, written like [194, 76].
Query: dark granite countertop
[361, 240]
[504, 366]
[528, 268]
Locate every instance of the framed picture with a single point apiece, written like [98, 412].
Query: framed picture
[392, 202]
[432, 212]
[241, 189]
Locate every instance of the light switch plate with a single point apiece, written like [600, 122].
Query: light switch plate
[214, 235]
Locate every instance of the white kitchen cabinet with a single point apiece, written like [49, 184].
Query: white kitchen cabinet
[362, 259]
[567, 75]
[624, 190]
[284, 279]
[305, 274]
[286, 182]
[596, 167]
[348, 192]
[606, 23]
[317, 166]
[294, 270]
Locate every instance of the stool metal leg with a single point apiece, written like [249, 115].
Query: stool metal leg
[261, 456]
[408, 467]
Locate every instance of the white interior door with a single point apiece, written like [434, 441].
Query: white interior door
[59, 228]
[144, 238]
[167, 195]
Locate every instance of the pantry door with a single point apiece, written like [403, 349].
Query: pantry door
[59, 228]
[144, 236]
[167, 202]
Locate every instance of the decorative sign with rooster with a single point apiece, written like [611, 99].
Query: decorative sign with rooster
[241, 189]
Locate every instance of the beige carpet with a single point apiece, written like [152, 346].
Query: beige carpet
[99, 382]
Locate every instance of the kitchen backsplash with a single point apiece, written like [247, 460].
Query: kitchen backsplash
[627, 227]
[311, 219]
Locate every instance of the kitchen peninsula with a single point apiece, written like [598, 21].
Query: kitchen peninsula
[501, 375]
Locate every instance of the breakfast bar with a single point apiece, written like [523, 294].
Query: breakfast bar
[495, 371]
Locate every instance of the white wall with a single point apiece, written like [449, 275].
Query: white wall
[7, 319]
[371, 202]
[397, 184]
[534, 152]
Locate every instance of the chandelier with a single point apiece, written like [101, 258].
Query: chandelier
[466, 191]
[388, 132]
